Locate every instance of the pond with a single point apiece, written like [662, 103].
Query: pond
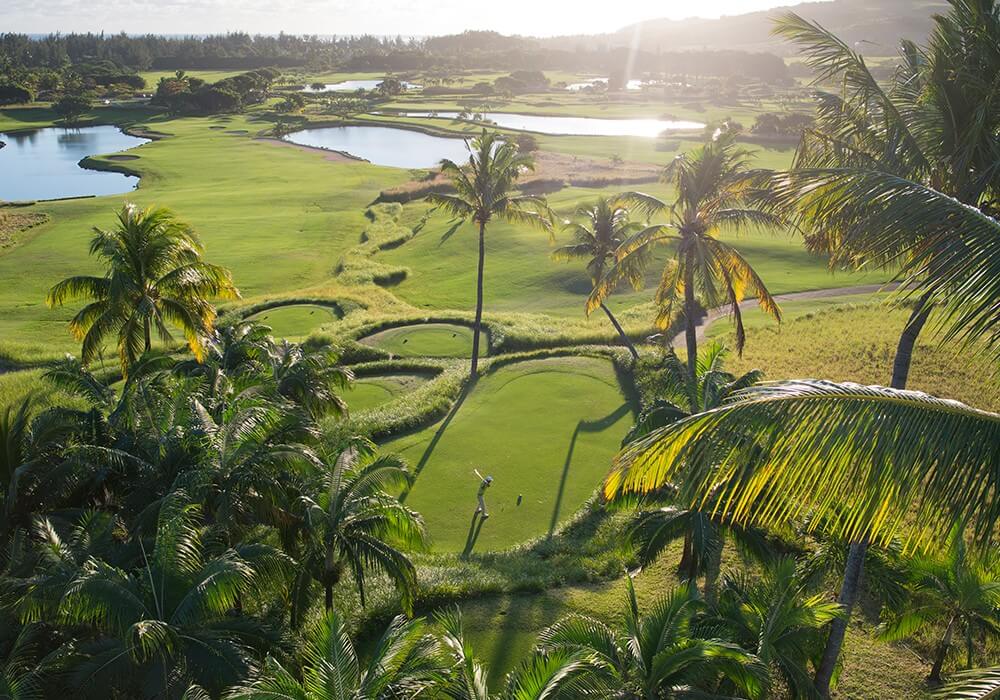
[44, 164]
[355, 85]
[576, 126]
[397, 148]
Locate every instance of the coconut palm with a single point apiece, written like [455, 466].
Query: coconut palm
[704, 529]
[484, 192]
[779, 619]
[596, 241]
[354, 524]
[711, 197]
[168, 622]
[889, 177]
[155, 280]
[541, 676]
[958, 590]
[404, 663]
[980, 684]
[19, 668]
[659, 654]
[892, 450]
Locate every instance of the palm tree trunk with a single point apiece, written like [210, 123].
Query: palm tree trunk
[621, 332]
[690, 329]
[479, 303]
[907, 341]
[713, 567]
[856, 555]
[838, 628]
[941, 654]
[329, 597]
[146, 335]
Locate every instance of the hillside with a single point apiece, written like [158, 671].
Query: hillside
[876, 25]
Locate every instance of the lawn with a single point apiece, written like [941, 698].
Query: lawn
[546, 430]
[278, 217]
[428, 340]
[295, 321]
[371, 392]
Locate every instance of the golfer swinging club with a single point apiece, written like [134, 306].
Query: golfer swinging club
[485, 483]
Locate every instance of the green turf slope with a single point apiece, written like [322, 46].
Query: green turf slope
[544, 429]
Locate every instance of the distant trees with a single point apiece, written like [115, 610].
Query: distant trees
[11, 94]
[71, 107]
[182, 94]
[775, 125]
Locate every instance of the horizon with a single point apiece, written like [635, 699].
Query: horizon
[340, 18]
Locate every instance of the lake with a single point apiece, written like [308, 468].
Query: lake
[397, 148]
[355, 85]
[44, 164]
[576, 126]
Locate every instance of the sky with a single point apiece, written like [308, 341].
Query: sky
[386, 17]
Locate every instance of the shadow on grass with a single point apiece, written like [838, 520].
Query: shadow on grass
[583, 426]
[475, 527]
[438, 434]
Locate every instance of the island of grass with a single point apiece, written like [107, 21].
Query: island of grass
[366, 393]
[427, 340]
[545, 429]
[295, 320]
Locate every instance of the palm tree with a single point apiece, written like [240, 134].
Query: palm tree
[659, 654]
[861, 459]
[168, 622]
[484, 192]
[712, 196]
[960, 591]
[777, 618]
[980, 684]
[405, 662]
[155, 280]
[607, 228]
[354, 523]
[889, 177]
[705, 528]
[543, 675]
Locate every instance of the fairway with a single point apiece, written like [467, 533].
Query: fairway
[428, 340]
[546, 430]
[295, 321]
[371, 392]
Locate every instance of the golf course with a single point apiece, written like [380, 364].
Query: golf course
[577, 382]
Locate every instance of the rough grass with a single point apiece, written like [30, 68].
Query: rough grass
[858, 343]
[15, 222]
[371, 392]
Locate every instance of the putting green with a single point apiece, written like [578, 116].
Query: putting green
[370, 392]
[546, 430]
[428, 340]
[295, 321]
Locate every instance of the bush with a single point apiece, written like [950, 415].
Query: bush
[11, 94]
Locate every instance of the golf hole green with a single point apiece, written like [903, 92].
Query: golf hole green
[371, 392]
[546, 430]
[296, 320]
[428, 340]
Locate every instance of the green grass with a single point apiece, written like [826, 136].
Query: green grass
[367, 393]
[546, 430]
[295, 321]
[858, 343]
[522, 277]
[277, 216]
[754, 319]
[427, 340]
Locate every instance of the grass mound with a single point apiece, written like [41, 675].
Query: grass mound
[371, 392]
[552, 466]
[296, 320]
[427, 340]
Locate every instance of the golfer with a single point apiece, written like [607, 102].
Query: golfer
[484, 483]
